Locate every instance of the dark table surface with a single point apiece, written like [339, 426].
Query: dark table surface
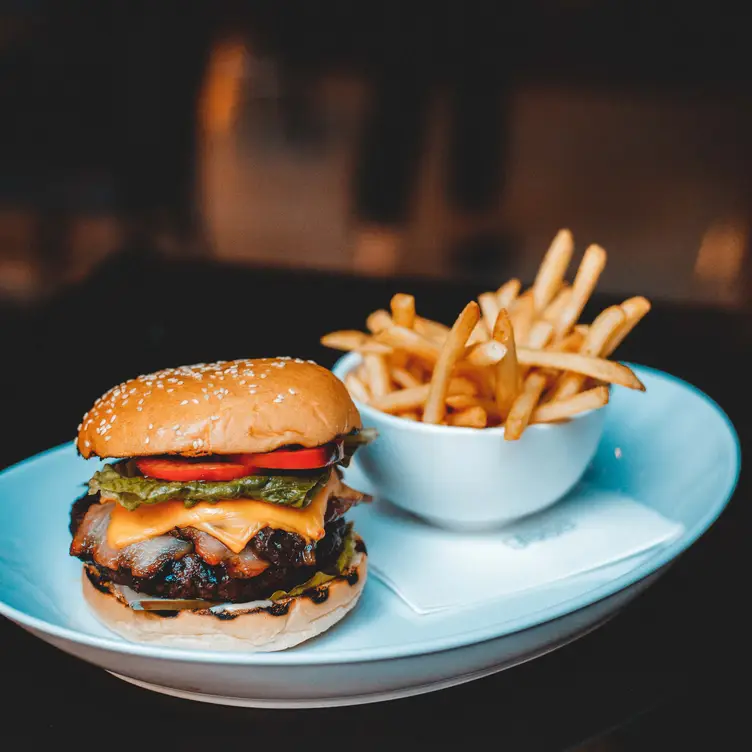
[661, 675]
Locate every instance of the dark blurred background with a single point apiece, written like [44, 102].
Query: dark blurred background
[378, 139]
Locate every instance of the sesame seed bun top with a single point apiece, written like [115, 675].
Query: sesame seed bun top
[219, 408]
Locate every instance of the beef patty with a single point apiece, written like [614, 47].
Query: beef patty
[286, 560]
[191, 577]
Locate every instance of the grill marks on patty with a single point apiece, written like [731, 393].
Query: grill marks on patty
[191, 577]
[269, 548]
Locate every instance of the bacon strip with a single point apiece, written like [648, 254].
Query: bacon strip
[243, 565]
[143, 559]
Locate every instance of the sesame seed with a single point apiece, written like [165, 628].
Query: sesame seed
[184, 402]
[169, 391]
[113, 418]
[87, 443]
[195, 401]
[146, 440]
[263, 375]
[107, 438]
[292, 391]
[139, 408]
[175, 427]
[151, 425]
[80, 426]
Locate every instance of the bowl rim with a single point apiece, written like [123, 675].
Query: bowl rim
[348, 361]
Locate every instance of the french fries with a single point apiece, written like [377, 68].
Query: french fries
[486, 353]
[597, 368]
[451, 351]
[403, 310]
[507, 293]
[552, 270]
[378, 321]
[515, 358]
[557, 410]
[415, 397]
[354, 340]
[378, 374]
[600, 332]
[489, 306]
[508, 377]
[584, 283]
[522, 408]
[471, 417]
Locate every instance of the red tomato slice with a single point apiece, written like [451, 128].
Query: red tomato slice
[176, 469]
[295, 459]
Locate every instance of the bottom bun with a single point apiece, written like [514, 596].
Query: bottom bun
[263, 627]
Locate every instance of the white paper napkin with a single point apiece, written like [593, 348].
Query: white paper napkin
[433, 569]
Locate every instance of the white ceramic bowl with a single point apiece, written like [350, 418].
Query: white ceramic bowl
[468, 477]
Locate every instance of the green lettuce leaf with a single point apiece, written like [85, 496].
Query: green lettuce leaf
[320, 578]
[120, 483]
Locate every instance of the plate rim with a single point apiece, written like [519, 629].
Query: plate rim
[415, 649]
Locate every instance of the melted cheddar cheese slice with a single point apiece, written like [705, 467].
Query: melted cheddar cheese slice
[233, 522]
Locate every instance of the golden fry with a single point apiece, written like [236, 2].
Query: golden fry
[592, 399]
[558, 304]
[379, 382]
[357, 388]
[413, 398]
[410, 415]
[402, 377]
[597, 368]
[432, 330]
[479, 334]
[463, 401]
[400, 338]
[523, 406]
[489, 306]
[451, 352]
[552, 269]
[485, 354]
[508, 378]
[540, 334]
[471, 417]
[634, 310]
[378, 321]
[522, 318]
[353, 340]
[585, 281]
[403, 310]
[599, 333]
[507, 293]
[571, 343]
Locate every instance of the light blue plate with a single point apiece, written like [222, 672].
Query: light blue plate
[678, 454]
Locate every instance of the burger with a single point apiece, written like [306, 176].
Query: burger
[218, 521]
